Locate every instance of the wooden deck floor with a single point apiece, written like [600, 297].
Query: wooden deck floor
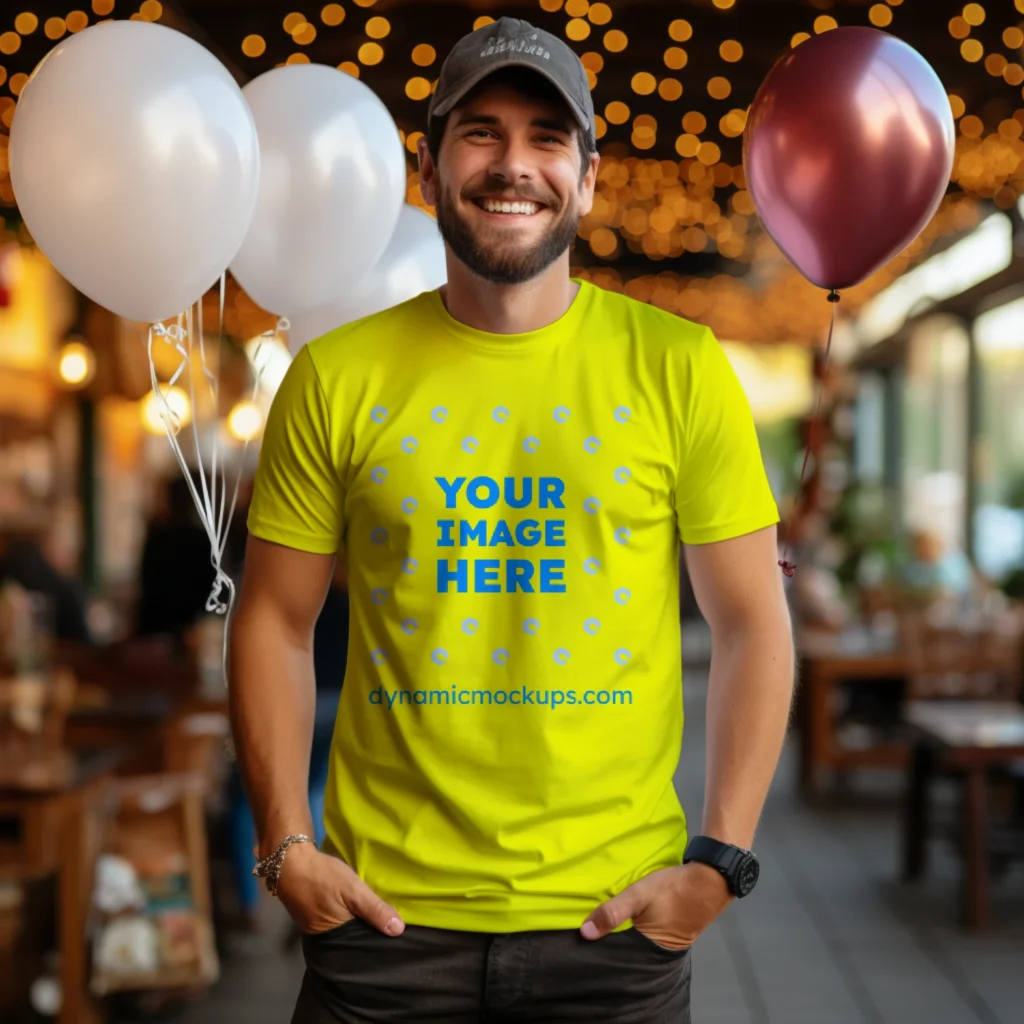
[828, 937]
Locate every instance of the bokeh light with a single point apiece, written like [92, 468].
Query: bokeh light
[578, 29]
[254, 46]
[371, 53]
[643, 83]
[332, 15]
[424, 55]
[615, 41]
[676, 58]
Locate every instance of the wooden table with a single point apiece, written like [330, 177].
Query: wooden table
[53, 809]
[826, 660]
[968, 738]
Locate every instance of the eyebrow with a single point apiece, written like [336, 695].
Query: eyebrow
[550, 124]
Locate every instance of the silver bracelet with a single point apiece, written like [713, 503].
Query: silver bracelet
[270, 867]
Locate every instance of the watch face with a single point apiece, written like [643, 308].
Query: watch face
[746, 877]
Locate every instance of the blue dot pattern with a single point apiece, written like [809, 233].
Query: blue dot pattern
[531, 626]
[562, 414]
[622, 475]
[591, 626]
[561, 656]
[470, 445]
[409, 566]
[379, 656]
[409, 506]
[378, 414]
[591, 505]
[500, 656]
[379, 596]
[378, 474]
[379, 535]
[592, 445]
[440, 414]
[622, 414]
[409, 626]
[622, 535]
[622, 596]
[501, 414]
[470, 626]
[531, 444]
[439, 656]
[622, 656]
[409, 445]
[591, 566]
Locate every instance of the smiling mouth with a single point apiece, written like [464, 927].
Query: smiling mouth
[519, 207]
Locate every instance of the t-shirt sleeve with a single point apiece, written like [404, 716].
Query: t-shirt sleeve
[721, 488]
[298, 495]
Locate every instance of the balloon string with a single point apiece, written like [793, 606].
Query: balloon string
[788, 567]
[215, 513]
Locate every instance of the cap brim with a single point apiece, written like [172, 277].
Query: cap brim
[446, 105]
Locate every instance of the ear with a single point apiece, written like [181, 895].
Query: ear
[428, 172]
[588, 184]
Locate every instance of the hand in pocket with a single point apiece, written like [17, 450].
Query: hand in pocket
[322, 892]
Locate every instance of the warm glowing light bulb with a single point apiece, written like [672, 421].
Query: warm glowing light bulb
[245, 421]
[170, 410]
[77, 364]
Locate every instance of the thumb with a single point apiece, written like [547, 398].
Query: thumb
[610, 914]
[365, 903]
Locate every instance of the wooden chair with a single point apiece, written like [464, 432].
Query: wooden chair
[969, 661]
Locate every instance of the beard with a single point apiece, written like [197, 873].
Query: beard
[503, 262]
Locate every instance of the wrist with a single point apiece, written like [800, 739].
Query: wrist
[270, 867]
[273, 837]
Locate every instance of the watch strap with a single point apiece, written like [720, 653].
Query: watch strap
[723, 857]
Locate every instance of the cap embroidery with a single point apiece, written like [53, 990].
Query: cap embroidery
[521, 45]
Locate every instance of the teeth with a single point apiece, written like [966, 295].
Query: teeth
[501, 206]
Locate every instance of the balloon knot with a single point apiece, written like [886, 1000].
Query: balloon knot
[788, 568]
[833, 295]
[214, 602]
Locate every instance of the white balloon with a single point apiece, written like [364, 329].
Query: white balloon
[331, 188]
[135, 164]
[413, 262]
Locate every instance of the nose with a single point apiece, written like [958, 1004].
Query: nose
[511, 163]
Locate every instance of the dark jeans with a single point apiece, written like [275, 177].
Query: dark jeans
[356, 974]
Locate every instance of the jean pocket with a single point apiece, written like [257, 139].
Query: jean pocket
[330, 933]
[647, 941]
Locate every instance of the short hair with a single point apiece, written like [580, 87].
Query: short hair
[529, 84]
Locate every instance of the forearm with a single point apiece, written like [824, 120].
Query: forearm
[273, 699]
[749, 697]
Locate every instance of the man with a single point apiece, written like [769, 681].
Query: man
[510, 463]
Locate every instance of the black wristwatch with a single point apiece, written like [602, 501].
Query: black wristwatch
[737, 866]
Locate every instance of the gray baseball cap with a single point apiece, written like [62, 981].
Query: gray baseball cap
[511, 42]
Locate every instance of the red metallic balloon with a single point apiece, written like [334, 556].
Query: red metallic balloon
[847, 152]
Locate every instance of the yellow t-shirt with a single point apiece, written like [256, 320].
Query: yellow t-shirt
[511, 508]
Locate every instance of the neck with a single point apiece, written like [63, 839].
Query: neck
[508, 308]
